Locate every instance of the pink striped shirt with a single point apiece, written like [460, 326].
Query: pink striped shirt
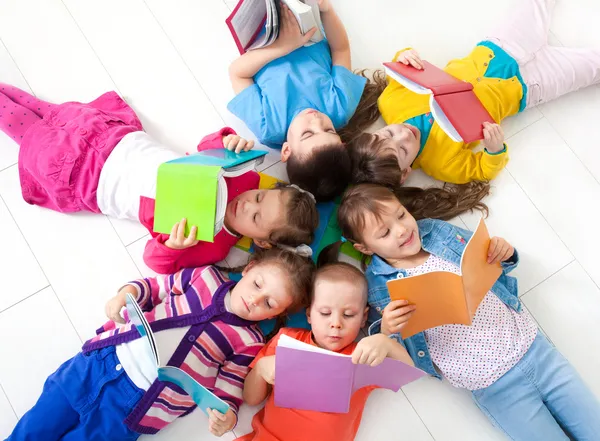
[216, 350]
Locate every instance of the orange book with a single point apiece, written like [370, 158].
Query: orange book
[453, 102]
[442, 297]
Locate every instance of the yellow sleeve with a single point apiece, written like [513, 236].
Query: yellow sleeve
[466, 166]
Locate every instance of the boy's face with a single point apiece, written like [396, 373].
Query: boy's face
[337, 313]
[405, 140]
[310, 129]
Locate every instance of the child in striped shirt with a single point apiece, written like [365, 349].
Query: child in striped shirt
[204, 324]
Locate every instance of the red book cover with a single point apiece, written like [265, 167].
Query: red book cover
[430, 77]
[466, 114]
[454, 105]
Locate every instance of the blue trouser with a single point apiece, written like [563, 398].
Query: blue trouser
[86, 399]
[542, 398]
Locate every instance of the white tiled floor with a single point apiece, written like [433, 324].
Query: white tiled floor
[169, 60]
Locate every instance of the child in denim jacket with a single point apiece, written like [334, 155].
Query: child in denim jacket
[516, 377]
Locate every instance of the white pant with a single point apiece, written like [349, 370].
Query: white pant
[548, 71]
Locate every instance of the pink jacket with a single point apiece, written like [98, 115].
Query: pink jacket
[165, 260]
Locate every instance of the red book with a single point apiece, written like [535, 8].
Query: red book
[453, 103]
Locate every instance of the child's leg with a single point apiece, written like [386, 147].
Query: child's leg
[567, 397]
[50, 418]
[15, 119]
[39, 107]
[526, 31]
[556, 71]
[514, 405]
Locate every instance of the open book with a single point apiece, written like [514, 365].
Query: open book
[443, 297]
[255, 23]
[201, 396]
[453, 103]
[310, 378]
[194, 187]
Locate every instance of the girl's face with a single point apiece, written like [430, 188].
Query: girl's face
[405, 140]
[337, 313]
[310, 129]
[394, 237]
[262, 293]
[256, 213]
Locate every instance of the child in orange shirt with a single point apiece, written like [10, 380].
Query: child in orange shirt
[337, 312]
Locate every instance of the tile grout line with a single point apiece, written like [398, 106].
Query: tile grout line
[9, 402]
[40, 265]
[18, 68]
[418, 414]
[184, 62]
[522, 296]
[24, 298]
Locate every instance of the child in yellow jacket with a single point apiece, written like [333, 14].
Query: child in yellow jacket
[512, 70]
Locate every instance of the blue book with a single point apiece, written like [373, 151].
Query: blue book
[204, 398]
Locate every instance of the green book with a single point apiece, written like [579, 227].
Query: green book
[194, 187]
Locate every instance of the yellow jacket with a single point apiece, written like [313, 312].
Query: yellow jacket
[442, 158]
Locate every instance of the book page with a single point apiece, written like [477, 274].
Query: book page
[478, 275]
[137, 318]
[438, 296]
[247, 19]
[221, 206]
[443, 121]
[289, 342]
[318, 35]
[409, 84]
[204, 398]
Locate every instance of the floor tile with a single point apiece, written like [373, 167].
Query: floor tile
[569, 115]
[204, 42]
[567, 307]
[17, 260]
[9, 74]
[449, 413]
[153, 78]
[557, 183]
[21, 328]
[8, 418]
[136, 251]
[514, 217]
[64, 67]
[516, 123]
[129, 231]
[387, 406]
[194, 427]
[81, 255]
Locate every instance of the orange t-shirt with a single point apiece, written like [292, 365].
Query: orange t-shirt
[274, 423]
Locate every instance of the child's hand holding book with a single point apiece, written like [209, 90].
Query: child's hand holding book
[499, 250]
[395, 315]
[372, 350]
[237, 144]
[290, 35]
[218, 423]
[493, 137]
[411, 57]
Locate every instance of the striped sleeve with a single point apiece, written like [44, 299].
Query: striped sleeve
[153, 290]
[229, 384]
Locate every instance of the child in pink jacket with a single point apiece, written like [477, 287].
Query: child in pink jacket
[96, 157]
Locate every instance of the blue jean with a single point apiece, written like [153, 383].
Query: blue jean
[542, 398]
[86, 399]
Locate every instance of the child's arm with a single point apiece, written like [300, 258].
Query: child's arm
[229, 387]
[259, 381]
[225, 138]
[150, 292]
[374, 349]
[337, 37]
[243, 69]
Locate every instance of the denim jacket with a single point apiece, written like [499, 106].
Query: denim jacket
[448, 242]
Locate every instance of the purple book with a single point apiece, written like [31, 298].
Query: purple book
[311, 378]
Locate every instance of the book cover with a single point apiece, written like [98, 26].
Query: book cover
[453, 103]
[442, 297]
[311, 378]
[255, 23]
[204, 398]
[193, 187]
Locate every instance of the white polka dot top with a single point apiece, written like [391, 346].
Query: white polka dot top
[475, 356]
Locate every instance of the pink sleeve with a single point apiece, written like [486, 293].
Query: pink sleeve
[164, 260]
[215, 140]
